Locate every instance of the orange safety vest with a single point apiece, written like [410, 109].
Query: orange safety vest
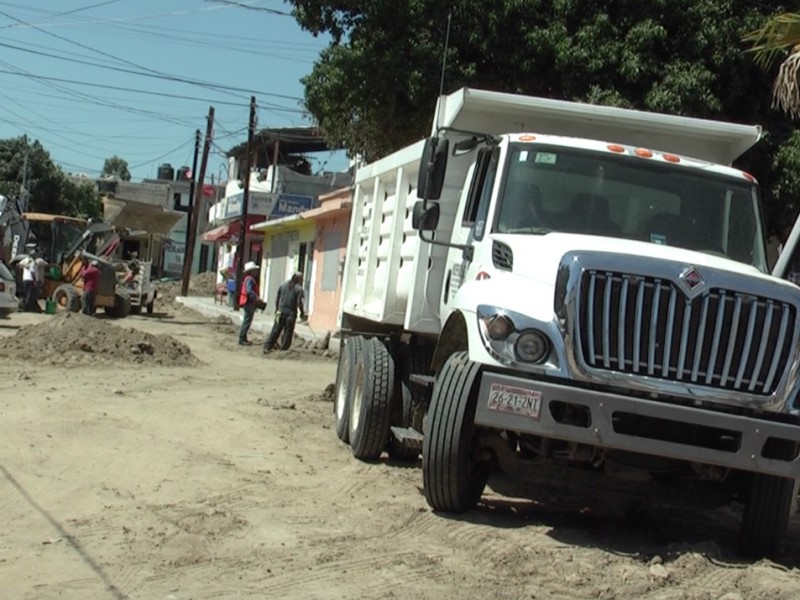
[243, 291]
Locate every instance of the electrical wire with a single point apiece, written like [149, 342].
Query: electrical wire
[273, 107]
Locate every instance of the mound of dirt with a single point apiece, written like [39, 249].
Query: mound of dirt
[74, 338]
[202, 284]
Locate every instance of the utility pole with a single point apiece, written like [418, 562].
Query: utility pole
[23, 187]
[251, 130]
[188, 255]
[192, 191]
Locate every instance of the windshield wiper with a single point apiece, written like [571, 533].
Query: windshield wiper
[531, 230]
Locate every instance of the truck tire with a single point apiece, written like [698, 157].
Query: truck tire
[67, 298]
[769, 507]
[121, 308]
[151, 306]
[136, 310]
[453, 477]
[349, 356]
[370, 406]
[412, 398]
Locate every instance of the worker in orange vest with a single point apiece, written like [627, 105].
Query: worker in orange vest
[249, 300]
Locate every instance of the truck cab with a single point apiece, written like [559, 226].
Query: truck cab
[575, 287]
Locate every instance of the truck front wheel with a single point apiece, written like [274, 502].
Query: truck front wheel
[370, 406]
[766, 515]
[349, 356]
[452, 474]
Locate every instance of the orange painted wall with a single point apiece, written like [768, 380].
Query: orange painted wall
[326, 303]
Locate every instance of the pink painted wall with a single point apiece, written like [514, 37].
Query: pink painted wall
[326, 303]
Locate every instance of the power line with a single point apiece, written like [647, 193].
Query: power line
[162, 156]
[100, 52]
[249, 7]
[274, 107]
[173, 78]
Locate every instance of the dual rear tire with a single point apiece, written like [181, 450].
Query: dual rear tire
[373, 393]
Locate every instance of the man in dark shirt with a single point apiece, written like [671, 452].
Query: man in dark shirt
[91, 281]
[289, 299]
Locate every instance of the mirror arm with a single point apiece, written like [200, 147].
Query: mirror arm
[468, 249]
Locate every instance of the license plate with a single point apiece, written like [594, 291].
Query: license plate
[515, 400]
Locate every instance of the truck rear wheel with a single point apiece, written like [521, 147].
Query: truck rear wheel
[67, 298]
[452, 475]
[349, 356]
[413, 399]
[370, 406]
[766, 515]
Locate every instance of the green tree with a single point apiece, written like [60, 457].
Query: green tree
[83, 199]
[43, 180]
[116, 167]
[49, 189]
[374, 88]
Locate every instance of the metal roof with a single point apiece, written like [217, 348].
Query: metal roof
[291, 140]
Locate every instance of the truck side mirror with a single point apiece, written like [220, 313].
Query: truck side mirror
[432, 167]
[425, 218]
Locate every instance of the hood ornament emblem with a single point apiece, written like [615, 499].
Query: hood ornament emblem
[692, 280]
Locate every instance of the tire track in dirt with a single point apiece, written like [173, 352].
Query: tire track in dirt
[373, 576]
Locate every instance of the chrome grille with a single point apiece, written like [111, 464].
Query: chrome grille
[647, 326]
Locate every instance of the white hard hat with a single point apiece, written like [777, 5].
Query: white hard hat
[250, 266]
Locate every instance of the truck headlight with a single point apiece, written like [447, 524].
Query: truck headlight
[512, 338]
[531, 346]
[499, 327]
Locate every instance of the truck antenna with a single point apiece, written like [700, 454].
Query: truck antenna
[444, 54]
[444, 65]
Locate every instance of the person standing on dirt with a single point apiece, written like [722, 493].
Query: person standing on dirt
[249, 301]
[288, 301]
[28, 266]
[38, 269]
[91, 280]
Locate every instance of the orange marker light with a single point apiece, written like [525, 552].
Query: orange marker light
[482, 275]
[616, 148]
[643, 153]
[749, 177]
[527, 138]
[672, 158]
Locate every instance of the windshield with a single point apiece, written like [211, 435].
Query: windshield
[42, 234]
[578, 191]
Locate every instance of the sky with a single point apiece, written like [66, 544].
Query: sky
[91, 79]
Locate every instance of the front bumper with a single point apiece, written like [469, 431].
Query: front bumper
[524, 406]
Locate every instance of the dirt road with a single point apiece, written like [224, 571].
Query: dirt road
[226, 480]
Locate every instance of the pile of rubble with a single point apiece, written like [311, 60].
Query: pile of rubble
[75, 339]
[202, 284]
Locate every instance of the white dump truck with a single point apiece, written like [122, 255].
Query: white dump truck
[545, 288]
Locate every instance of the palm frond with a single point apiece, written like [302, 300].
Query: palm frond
[786, 90]
[770, 43]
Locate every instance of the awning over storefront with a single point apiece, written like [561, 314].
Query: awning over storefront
[230, 231]
[139, 216]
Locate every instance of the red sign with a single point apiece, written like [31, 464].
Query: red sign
[208, 190]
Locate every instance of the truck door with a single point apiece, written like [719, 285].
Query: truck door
[470, 225]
